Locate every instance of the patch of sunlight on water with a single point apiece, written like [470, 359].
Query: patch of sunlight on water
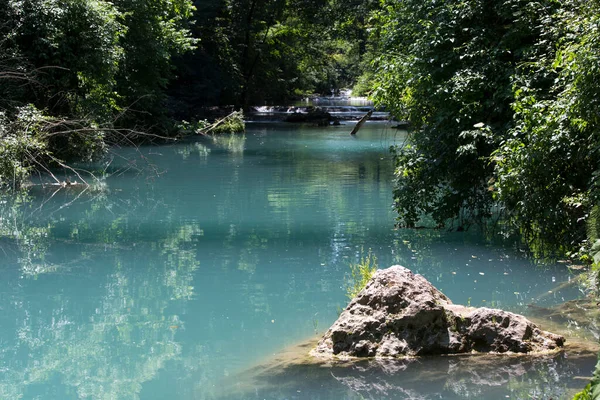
[201, 259]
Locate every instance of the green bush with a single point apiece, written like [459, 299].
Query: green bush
[364, 85]
[20, 145]
[502, 98]
[360, 274]
[31, 140]
[191, 128]
[233, 123]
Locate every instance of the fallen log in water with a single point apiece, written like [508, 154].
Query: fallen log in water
[361, 122]
[232, 123]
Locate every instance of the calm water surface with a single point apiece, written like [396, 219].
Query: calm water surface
[195, 262]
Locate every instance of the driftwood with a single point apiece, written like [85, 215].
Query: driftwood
[211, 127]
[361, 122]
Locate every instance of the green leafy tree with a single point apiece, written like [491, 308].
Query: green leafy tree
[156, 31]
[257, 51]
[210, 74]
[503, 102]
[71, 51]
[91, 72]
[447, 67]
[547, 168]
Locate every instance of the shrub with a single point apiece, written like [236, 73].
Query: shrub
[233, 123]
[20, 146]
[186, 128]
[360, 274]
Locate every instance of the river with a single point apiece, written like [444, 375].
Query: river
[191, 263]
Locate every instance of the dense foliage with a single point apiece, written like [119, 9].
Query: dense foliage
[503, 102]
[77, 74]
[91, 58]
[269, 51]
[547, 167]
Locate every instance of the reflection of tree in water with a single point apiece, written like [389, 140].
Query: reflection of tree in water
[124, 344]
[233, 143]
[104, 342]
[20, 240]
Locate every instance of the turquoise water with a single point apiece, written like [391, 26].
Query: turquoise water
[191, 263]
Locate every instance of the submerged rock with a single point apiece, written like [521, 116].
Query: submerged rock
[581, 315]
[401, 314]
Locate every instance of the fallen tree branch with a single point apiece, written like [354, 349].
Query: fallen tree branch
[213, 126]
[361, 122]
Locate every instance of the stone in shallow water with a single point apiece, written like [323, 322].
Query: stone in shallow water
[401, 314]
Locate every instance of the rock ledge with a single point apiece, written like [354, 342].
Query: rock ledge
[401, 314]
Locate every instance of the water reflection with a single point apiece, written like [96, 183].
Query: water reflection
[462, 377]
[195, 260]
[232, 142]
[79, 321]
